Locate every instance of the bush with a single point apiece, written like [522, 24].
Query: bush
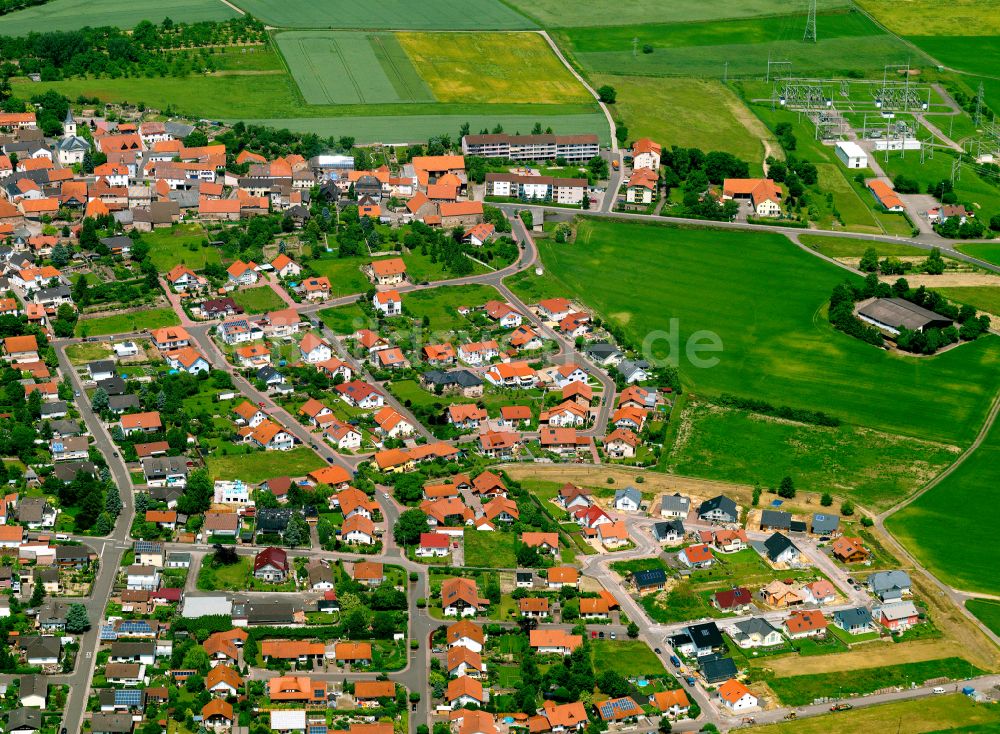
[763, 407]
[607, 94]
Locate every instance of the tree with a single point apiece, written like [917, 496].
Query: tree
[113, 501]
[826, 500]
[869, 261]
[847, 509]
[409, 526]
[297, 531]
[607, 94]
[613, 683]
[995, 222]
[198, 493]
[934, 264]
[787, 488]
[632, 630]
[77, 619]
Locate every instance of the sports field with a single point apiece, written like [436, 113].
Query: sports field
[765, 299]
[924, 17]
[703, 114]
[954, 517]
[603, 13]
[69, 15]
[491, 68]
[847, 41]
[351, 68]
[872, 467]
[387, 14]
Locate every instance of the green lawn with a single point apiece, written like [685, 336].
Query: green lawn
[65, 15]
[850, 247]
[224, 578]
[988, 612]
[764, 298]
[484, 549]
[258, 300]
[83, 353]
[154, 318]
[631, 658]
[344, 273]
[443, 14]
[345, 319]
[872, 467]
[256, 466]
[988, 251]
[180, 244]
[705, 114]
[420, 268]
[985, 298]
[937, 523]
[800, 690]
[977, 192]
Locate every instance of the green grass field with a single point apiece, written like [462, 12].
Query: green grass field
[180, 244]
[224, 578]
[800, 690]
[705, 115]
[345, 319]
[919, 716]
[491, 68]
[153, 318]
[440, 304]
[258, 300]
[986, 298]
[345, 274]
[605, 13]
[256, 466]
[988, 612]
[485, 549]
[850, 247]
[389, 14]
[937, 523]
[631, 658]
[848, 41]
[351, 68]
[765, 298]
[69, 15]
[83, 353]
[874, 468]
[988, 251]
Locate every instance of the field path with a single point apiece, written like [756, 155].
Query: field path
[239, 10]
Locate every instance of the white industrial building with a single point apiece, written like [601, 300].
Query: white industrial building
[852, 155]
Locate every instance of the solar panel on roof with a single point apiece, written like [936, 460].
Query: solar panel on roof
[133, 627]
[108, 633]
[128, 697]
[317, 729]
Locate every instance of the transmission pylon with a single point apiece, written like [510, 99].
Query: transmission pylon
[977, 118]
[810, 34]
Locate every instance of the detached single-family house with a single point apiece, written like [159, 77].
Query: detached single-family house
[628, 500]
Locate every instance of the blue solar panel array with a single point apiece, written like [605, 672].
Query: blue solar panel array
[148, 546]
[617, 706]
[108, 633]
[131, 697]
[129, 627]
[317, 729]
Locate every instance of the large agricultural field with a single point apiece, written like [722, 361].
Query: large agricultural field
[871, 467]
[945, 519]
[765, 299]
[924, 17]
[848, 41]
[68, 15]
[492, 68]
[388, 14]
[351, 68]
[603, 13]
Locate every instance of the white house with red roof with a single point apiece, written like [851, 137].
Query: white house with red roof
[433, 544]
[314, 349]
[285, 267]
[241, 273]
[646, 154]
[389, 303]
